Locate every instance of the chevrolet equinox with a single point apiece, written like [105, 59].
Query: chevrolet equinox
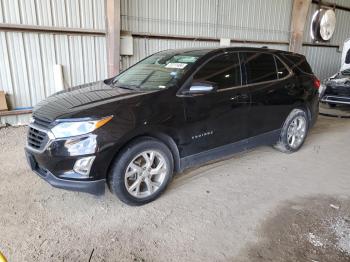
[172, 110]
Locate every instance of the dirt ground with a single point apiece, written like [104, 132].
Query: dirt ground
[258, 206]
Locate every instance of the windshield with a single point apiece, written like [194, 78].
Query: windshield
[158, 71]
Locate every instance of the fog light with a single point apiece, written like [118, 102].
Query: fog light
[83, 165]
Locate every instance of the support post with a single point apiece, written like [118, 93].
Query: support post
[297, 26]
[113, 36]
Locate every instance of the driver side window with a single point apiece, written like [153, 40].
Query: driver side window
[223, 70]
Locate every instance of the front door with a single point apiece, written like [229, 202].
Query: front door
[218, 118]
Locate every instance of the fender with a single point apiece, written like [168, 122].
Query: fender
[159, 135]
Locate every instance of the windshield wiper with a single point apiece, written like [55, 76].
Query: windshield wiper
[125, 86]
[133, 87]
[146, 78]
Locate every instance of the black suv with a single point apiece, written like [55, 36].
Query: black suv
[170, 111]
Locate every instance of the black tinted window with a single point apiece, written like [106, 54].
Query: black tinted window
[298, 62]
[304, 66]
[282, 71]
[347, 58]
[260, 67]
[223, 70]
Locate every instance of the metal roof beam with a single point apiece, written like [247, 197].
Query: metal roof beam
[50, 30]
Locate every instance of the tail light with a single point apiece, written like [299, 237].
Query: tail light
[317, 83]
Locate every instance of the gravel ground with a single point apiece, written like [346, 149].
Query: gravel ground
[258, 206]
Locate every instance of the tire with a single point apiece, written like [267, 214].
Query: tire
[133, 167]
[284, 143]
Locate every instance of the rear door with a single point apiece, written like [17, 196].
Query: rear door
[273, 91]
[217, 118]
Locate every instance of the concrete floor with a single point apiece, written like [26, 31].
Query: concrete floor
[258, 206]
[338, 111]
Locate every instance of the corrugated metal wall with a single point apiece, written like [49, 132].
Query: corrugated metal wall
[87, 14]
[27, 59]
[267, 19]
[203, 18]
[220, 18]
[324, 61]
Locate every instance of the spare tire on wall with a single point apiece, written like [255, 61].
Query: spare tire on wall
[323, 25]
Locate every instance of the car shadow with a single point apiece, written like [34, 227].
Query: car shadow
[194, 173]
[324, 127]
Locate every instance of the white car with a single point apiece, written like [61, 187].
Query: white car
[336, 89]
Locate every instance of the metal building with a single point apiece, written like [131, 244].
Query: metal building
[37, 35]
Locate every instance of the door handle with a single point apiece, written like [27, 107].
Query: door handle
[289, 86]
[239, 97]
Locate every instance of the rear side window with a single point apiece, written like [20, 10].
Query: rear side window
[260, 67]
[223, 70]
[282, 71]
[304, 66]
[298, 62]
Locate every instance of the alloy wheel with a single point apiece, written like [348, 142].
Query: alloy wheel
[296, 132]
[145, 174]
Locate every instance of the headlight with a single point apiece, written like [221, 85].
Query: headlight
[77, 128]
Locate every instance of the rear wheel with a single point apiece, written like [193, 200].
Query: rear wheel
[293, 132]
[141, 172]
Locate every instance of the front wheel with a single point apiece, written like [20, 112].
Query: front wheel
[141, 172]
[293, 132]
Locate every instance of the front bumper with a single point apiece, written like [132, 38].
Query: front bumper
[334, 99]
[54, 159]
[95, 187]
[336, 93]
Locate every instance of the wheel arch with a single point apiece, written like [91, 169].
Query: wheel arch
[170, 143]
[162, 137]
[306, 108]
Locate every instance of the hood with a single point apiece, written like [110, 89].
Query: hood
[80, 98]
[339, 79]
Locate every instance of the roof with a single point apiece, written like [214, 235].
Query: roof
[205, 50]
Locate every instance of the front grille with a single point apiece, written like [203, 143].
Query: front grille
[37, 139]
[339, 90]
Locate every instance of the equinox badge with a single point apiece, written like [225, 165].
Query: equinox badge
[209, 133]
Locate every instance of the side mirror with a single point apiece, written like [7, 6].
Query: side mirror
[202, 88]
